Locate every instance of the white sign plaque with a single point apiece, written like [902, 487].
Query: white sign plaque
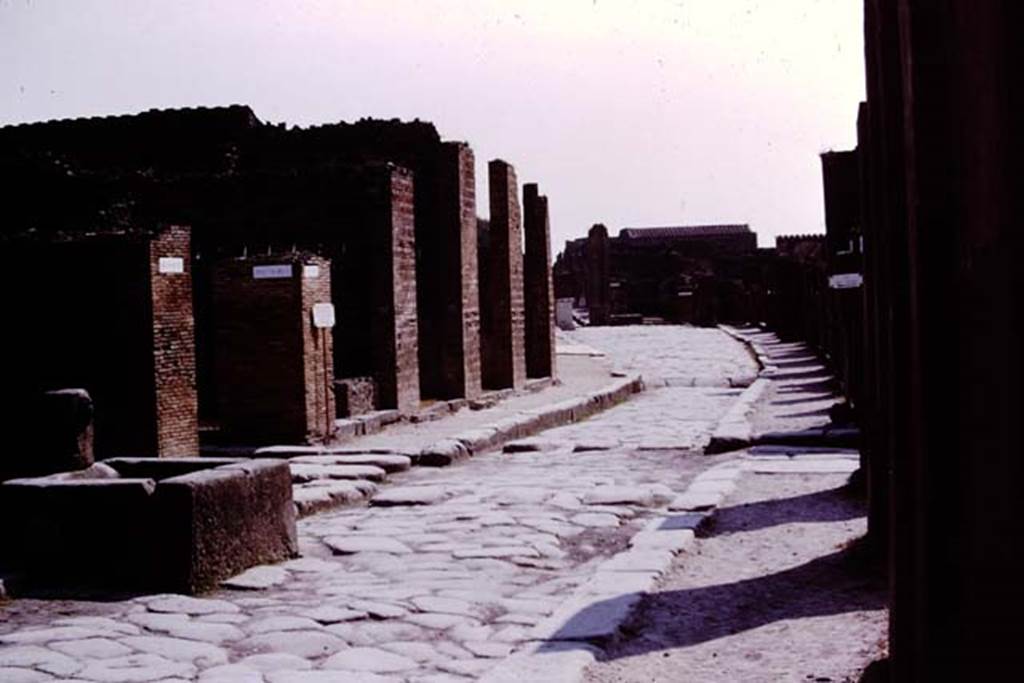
[171, 264]
[310, 272]
[323, 315]
[846, 281]
[271, 272]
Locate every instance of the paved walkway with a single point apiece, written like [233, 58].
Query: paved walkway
[779, 590]
[443, 575]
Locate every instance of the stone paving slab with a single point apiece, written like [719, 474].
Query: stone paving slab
[496, 545]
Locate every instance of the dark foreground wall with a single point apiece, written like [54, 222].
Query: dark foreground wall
[942, 125]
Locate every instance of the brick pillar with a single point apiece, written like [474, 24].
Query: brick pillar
[174, 354]
[598, 278]
[273, 368]
[373, 284]
[502, 355]
[458, 311]
[539, 292]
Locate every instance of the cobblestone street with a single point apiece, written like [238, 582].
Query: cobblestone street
[444, 574]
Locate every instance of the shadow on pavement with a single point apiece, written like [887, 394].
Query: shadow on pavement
[836, 505]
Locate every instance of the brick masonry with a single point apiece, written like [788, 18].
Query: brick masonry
[460, 328]
[273, 368]
[503, 359]
[174, 354]
[538, 289]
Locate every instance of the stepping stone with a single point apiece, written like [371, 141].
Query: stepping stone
[388, 463]
[409, 495]
[349, 545]
[329, 677]
[370, 659]
[257, 578]
[305, 473]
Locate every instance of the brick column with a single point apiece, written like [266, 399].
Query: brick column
[374, 288]
[273, 369]
[539, 292]
[458, 314]
[503, 357]
[174, 354]
[598, 278]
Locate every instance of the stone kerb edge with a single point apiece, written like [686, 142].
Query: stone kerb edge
[569, 640]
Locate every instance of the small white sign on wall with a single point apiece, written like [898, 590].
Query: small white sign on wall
[310, 272]
[846, 281]
[170, 264]
[271, 272]
[323, 315]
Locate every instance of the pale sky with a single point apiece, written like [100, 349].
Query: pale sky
[627, 112]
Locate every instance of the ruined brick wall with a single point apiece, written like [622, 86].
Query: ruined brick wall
[502, 355]
[174, 356]
[539, 291]
[272, 367]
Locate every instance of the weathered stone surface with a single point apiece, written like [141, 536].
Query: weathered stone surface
[232, 673]
[89, 648]
[307, 644]
[280, 623]
[36, 657]
[410, 495]
[303, 473]
[595, 519]
[695, 501]
[183, 604]
[370, 659]
[620, 495]
[496, 552]
[388, 463]
[329, 614]
[257, 578]
[443, 453]
[276, 661]
[14, 674]
[136, 669]
[329, 677]
[366, 544]
[178, 649]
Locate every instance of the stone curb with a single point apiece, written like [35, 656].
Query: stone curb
[734, 431]
[529, 422]
[570, 639]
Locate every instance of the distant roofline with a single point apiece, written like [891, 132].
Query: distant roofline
[707, 230]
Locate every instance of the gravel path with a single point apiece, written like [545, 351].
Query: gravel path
[777, 591]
